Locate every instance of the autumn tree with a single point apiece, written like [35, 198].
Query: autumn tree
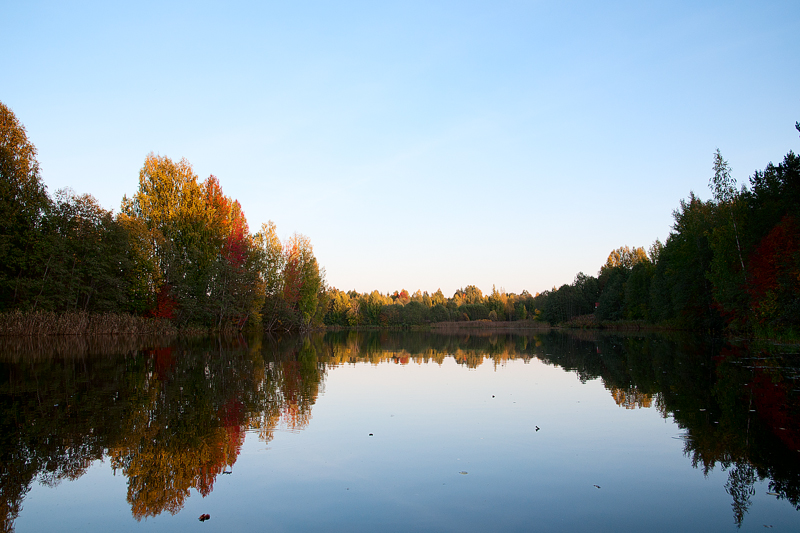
[401, 297]
[624, 257]
[496, 302]
[339, 306]
[23, 205]
[302, 285]
[169, 205]
[194, 248]
[370, 308]
[236, 282]
[438, 298]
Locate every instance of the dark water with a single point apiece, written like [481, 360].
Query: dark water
[399, 432]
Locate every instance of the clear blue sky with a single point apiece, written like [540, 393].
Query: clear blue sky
[418, 145]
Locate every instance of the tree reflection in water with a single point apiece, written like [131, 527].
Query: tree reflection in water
[172, 415]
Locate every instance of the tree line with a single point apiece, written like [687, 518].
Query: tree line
[180, 249]
[731, 263]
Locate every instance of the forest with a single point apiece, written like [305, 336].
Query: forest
[181, 252]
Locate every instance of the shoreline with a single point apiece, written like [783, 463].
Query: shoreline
[18, 324]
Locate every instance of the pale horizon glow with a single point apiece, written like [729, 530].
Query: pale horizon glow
[419, 145]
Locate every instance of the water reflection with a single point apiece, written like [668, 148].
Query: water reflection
[171, 416]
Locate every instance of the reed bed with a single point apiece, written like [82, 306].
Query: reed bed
[46, 323]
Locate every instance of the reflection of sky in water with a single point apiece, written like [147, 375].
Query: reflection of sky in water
[430, 423]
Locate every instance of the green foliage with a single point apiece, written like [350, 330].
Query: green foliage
[440, 313]
[414, 313]
[722, 184]
[727, 270]
[683, 291]
[476, 311]
[87, 265]
[637, 291]
[611, 304]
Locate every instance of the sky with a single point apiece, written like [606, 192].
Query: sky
[418, 145]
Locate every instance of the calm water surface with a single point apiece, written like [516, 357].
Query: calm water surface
[400, 432]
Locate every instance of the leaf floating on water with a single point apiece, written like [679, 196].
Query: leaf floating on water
[204, 517]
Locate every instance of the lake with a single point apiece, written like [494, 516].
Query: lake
[393, 431]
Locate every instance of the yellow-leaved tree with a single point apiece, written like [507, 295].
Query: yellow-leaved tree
[193, 248]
